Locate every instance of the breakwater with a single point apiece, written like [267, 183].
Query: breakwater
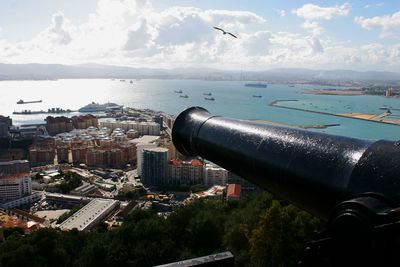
[377, 118]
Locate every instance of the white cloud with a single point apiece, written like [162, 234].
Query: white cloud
[315, 12]
[312, 26]
[138, 37]
[132, 32]
[386, 23]
[316, 45]
[373, 5]
[280, 12]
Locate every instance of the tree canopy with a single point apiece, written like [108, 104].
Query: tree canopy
[259, 231]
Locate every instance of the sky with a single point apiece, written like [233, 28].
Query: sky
[325, 34]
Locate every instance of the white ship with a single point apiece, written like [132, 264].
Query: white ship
[96, 107]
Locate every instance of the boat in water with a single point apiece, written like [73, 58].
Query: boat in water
[258, 85]
[28, 102]
[257, 96]
[207, 94]
[178, 91]
[96, 107]
[209, 98]
[184, 96]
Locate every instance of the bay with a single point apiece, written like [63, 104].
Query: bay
[232, 99]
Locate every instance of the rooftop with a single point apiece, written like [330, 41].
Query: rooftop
[145, 139]
[85, 217]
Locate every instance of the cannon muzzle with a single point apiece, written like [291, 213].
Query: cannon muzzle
[314, 171]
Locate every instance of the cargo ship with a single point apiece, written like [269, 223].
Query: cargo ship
[28, 102]
[258, 85]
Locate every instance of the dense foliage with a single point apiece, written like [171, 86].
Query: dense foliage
[259, 231]
[71, 181]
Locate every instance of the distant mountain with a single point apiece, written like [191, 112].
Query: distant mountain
[91, 70]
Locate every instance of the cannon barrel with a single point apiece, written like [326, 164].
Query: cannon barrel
[314, 171]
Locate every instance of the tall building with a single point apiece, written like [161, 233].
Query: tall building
[154, 166]
[62, 154]
[185, 172]
[85, 121]
[139, 151]
[159, 119]
[5, 124]
[56, 125]
[15, 180]
[215, 175]
[41, 155]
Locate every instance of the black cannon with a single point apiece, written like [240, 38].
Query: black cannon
[353, 184]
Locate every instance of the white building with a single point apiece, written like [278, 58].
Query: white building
[146, 141]
[90, 215]
[215, 175]
[15, 180]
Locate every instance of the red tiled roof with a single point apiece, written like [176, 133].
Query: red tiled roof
[234, 190]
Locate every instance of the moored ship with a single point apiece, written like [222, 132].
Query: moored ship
[96, 107]
[258, 85]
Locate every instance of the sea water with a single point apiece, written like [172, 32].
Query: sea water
[232, 99]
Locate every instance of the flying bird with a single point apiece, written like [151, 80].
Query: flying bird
[225, 32]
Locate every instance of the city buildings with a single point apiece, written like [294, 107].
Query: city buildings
[56, 125]
[185, 172]
[5, 124]
[146, 141]
[15, 180]
[215, 175]
[154, 166]
[85, 121]
[143, 128]
[159, 119]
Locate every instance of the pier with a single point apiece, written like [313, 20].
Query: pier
[49, 111]
[377, 118]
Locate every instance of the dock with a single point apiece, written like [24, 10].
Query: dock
[377, 118]
[49, 111]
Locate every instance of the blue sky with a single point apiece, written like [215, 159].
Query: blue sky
[165, 33]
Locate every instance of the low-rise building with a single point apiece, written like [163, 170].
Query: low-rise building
[83, 190]
[90, 215]
[233, 191]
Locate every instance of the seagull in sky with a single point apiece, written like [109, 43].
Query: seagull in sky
[224, 32]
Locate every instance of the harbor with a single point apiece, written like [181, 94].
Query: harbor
[377, 118]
